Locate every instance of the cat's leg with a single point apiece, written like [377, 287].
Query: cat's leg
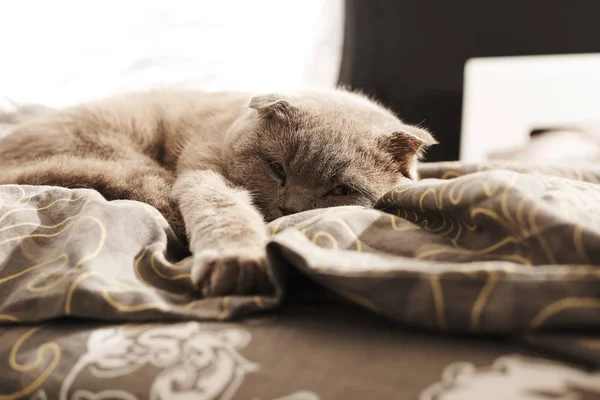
[226, 234]
[115, 180]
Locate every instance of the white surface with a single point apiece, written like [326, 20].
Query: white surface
[505, 98]
[64, 51]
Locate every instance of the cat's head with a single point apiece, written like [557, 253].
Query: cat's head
[321, 149]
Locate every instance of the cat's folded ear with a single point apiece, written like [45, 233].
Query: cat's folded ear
[273, 106]
[407, 142]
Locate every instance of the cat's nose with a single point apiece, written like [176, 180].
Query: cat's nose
[288, 210]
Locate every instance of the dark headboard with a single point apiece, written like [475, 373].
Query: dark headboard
[410, 54]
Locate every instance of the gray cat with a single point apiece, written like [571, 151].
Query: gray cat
[218, 165]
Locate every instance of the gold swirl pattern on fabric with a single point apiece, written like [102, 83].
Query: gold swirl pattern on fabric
[495, 229]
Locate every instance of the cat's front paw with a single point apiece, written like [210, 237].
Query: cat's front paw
[232, 271]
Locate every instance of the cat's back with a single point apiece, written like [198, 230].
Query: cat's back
[149, 121]
[167, 109]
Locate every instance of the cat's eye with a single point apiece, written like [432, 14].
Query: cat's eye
[341, 190]
[279, 170]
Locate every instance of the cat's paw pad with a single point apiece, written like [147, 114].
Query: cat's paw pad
[234, 271]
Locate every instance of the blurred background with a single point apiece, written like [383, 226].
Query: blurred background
[63, 51]
[468, 70]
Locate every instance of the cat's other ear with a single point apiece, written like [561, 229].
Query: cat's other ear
[407, 142]
[272, 106]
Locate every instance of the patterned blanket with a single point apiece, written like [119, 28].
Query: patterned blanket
[483, 249]
[470, 248]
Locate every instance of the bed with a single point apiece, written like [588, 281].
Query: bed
[478, 281]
